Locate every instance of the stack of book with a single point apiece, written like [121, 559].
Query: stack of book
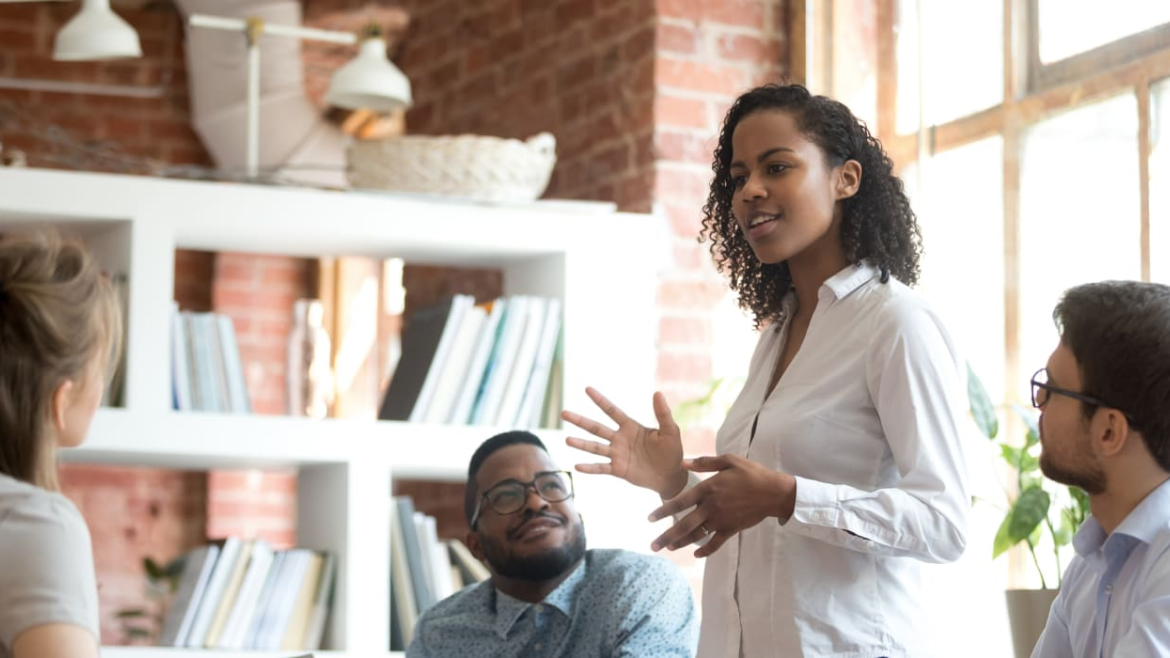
[495, 364]
[205, 364]
[423, 569]
[243, 594]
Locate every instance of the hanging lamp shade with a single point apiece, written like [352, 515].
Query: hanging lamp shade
[370, 81]
[96, 32]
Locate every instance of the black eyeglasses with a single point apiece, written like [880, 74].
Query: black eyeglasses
[509, 496]
[1042, 390]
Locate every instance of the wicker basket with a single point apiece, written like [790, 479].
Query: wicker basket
[471, 166]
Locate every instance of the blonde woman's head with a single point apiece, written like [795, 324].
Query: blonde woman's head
[60, 332]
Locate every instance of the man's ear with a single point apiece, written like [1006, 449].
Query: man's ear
[848, 179]
[471, 539]
[1110, 432]
[62, 397]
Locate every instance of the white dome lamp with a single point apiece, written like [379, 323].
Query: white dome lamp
[96, 32]
[370, 81]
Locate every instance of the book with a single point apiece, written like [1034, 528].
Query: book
[229, 550]
[532, 405]
[498, 368]
[553, 397]
[405, 610]
[195, 365]
[298, 620]
[237, 388]
[420, 341]
[414, 557]
[455, 366]
[473, 570]
[227, 599]
[439, 560]
[322, 600]
[276, 621]
[244, 607]
[470, 386]
[426, 558]
[264, 602]
[520, 366]
[459, 307]
[180, 362]
[197, 568]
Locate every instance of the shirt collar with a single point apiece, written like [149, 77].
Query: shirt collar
[509, 610]
[1144, 522]
[1141, 524]
[849, 279]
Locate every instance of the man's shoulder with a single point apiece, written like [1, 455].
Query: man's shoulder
[618, 564]
[471, 601]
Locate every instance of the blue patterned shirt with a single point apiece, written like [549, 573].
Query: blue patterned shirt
[615, 603]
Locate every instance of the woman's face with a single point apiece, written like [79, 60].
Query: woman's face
[785, 198]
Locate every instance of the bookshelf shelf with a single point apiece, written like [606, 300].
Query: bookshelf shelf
[601, 264]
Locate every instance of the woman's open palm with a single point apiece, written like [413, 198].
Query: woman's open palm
[647, 457]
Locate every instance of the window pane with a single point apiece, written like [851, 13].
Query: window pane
[854, 42]
[961, 55]
[962, 276]
[1160, 182]
[962, 264]
[1069, 27]
[1080, 213]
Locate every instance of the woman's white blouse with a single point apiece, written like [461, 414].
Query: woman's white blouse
[867, 419]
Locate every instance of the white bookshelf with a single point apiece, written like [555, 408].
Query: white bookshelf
[601, 263]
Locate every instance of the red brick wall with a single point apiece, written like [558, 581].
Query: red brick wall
[133, 514]
[258, 291]
[155, 128]
[707, 53]
[580, 69]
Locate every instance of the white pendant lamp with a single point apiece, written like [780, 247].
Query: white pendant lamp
[370, 81]
[96, 32]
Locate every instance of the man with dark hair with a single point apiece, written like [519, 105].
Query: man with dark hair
[548, 595]
[1105, 427]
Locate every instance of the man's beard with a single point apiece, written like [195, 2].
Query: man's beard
[1089, 477]
[546, 565]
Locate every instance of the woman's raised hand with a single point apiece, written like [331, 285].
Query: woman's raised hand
[647, 457]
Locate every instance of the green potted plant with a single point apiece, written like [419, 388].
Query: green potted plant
[1040, 513]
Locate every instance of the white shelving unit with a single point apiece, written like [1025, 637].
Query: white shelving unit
[602, 265]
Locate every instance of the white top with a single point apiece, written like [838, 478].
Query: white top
[46, 563]
[867, 419]
[1115, 598]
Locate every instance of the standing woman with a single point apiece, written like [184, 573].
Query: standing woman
[839, 466]
[60, 331]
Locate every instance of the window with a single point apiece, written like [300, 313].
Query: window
[1034, 138]
[1159, 182]
[1031, 133]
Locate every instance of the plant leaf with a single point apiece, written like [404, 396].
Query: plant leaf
[136, 633]
[153, 570]
[982, 410]
[1011, 455]
[174, 568]
[1026, 515]
[1029, 418]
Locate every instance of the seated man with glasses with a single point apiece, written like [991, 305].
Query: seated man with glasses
[1105, 427]
[548, 595]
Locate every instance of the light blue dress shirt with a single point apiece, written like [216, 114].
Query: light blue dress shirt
[615, 603]
[1115, 599]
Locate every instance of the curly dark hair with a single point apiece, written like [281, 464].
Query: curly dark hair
[877, 223]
